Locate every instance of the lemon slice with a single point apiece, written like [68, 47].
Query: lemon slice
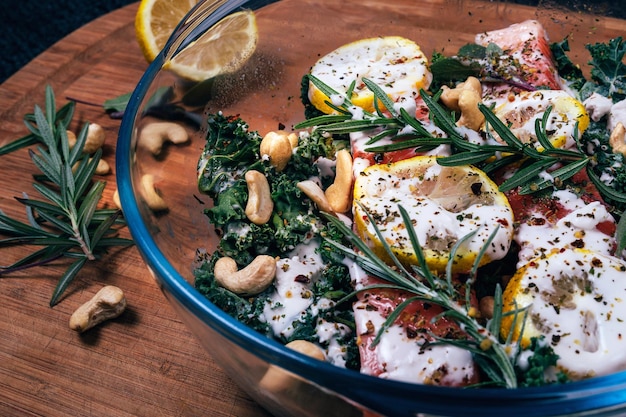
[396, 64]
[222, 49]
[576, 299]
[568, 117]
[444, 203]
[156, 20]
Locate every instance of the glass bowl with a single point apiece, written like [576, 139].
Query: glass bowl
[265, 92]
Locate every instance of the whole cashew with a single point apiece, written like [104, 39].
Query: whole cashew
[108, 303]
[150, 195]
[103, 167]
[155, 134]
[316, 194]
[617, 140]
[250, 280]
[277, 380]
[471, 116]
[260, 206]
[278, 147]
[465, 98]
[95, 138]
[339, 192]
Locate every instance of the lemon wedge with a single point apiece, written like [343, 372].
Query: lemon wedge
[155, 21]
[222, 49]
[445, 204]
[520, 111]
[395, 63]
[576, 299]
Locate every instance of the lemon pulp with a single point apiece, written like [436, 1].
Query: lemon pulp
[444, 203]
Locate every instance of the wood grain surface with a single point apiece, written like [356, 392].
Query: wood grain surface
[144, 363]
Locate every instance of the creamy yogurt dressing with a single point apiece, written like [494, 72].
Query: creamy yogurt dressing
[577, 229]
[292, 300]
[403, 359]
[432, 221]
[523, 109]
[577, 300]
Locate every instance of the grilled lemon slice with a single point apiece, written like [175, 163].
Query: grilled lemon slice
[396, 64]
[444, 203]
[576, 299]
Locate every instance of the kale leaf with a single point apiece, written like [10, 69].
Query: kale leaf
[540, 366]
[608, 69]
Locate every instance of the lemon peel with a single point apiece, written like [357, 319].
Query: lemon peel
[222, 49]
[445, 204]
[395, 63]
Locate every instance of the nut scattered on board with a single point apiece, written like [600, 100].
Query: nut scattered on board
[250, 280]
[95, 138]
[154, 135]
[116, 199]
[107, 304]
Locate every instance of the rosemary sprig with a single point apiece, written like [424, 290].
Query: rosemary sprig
[495, 357]
[67, 223]
[406, 132]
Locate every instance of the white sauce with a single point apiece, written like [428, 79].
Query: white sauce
[576, 229]
[432, 220]
[523, 109]
[578, 302]
[597, 106]
[403, 359]
[292, 296]
[293, 299]
[617, 115]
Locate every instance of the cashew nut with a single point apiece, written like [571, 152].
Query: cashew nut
[116, 199]
[465, 98]
[316, 194]
[260, 206]
[277, 379]
[339, 192]
[278, 147]
[471, 116]
[155, 134]
[250, 280]
[150, 195]
[95, 138]
[71, 138]
[617, 140]
[108, 303]
[103, 167]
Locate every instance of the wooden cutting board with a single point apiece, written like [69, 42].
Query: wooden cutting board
[145, 363]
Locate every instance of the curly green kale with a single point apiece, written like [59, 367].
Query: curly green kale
[540, 368]
[245, 310]
[608, 71]
[230, 151]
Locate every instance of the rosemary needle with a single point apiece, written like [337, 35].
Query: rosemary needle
[67, 222]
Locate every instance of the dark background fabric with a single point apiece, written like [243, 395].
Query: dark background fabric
[29, 27]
